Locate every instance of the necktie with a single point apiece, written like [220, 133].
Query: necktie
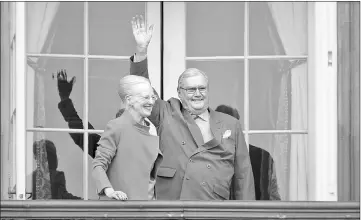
[204, 126]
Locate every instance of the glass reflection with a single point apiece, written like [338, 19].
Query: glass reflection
[55, 27]
[109, 27]
[44, 100]
[278, 28]
[104, 76]
[291, 163]
[278, 95]
[53, 166]
[214, 28]
[264, 174]
[48, 181]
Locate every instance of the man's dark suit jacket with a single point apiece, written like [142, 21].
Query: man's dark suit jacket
[264, 174]
[191, 169]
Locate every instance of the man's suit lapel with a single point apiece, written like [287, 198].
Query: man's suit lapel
[216, 128]
[184, 117]
[216, 125]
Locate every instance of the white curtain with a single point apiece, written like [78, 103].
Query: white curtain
[291, 163]
[40, 17]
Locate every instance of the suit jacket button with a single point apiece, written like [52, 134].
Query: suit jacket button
[203, 183]
[183, 143]
[190, 160]
[208, 166]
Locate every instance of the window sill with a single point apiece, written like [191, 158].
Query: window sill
[55, 209]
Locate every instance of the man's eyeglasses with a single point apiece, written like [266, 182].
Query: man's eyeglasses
[192, 90]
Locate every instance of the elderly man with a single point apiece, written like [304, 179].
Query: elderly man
[204, 151]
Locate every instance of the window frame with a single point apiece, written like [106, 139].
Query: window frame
[20, 79]
[152, 11]
[322, 123]
[8, 113]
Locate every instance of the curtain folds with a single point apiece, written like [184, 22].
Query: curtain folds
[290, 151]
[39, 21]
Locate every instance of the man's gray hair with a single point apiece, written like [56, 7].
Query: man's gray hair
[189, 73]
[127, 83]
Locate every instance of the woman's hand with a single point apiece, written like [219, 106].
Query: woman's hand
[118, 195]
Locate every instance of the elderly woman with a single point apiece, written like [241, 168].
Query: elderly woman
[127, 158]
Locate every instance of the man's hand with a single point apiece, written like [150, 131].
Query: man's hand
[118, 195]
[64, 87]
[142, 34]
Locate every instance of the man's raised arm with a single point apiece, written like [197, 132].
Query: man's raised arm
[142, 36]
[139, 63]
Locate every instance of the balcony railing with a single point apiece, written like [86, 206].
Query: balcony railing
[65, 209]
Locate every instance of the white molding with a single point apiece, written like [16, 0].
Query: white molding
[20, 100]
[246, 74]
[153, 16]
[80, 56]
[249, 57]
[277, 132]
[68, 130]
[174, 46]
[322, 102]
[86, 102]
[332, 104]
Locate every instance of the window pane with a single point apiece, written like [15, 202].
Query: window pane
[226, 83]
[44, 105]
[278, 95]
[54, 166]
[288, 165]
[92, 144]
[214, 28]
[278, 28]
[55, 27]
[110, 31]
[104, 76]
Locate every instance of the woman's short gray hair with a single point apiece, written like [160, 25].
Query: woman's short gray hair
[127, 83]
[189, 73]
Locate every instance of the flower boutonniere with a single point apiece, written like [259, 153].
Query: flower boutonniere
[227, 134]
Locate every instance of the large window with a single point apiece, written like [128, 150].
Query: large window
[257, 57]
[274, 62]
[92, 42]
[258, 66]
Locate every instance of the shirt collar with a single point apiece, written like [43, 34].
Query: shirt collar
[204, 116]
